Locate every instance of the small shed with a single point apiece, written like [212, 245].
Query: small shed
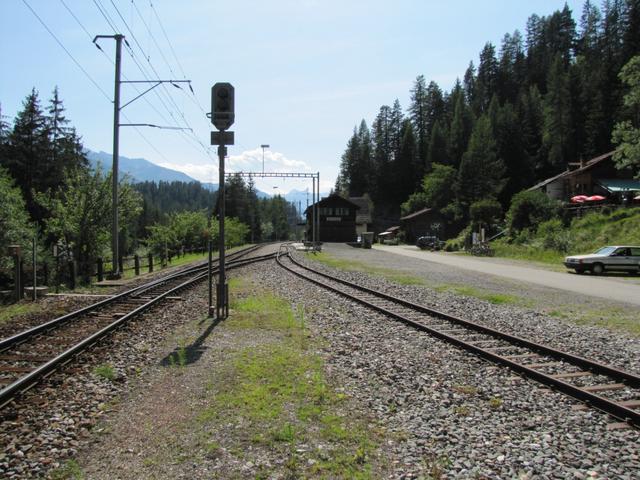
[337, 217]
[423, 222]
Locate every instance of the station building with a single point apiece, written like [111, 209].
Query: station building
[337, 217]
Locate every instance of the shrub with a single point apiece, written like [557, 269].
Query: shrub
[528, 209]
[554, 236]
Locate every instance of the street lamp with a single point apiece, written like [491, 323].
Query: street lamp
[263, 147]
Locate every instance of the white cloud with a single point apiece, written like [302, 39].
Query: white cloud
[247, 161]
[251, 161]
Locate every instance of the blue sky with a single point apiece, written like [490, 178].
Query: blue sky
[305, 71]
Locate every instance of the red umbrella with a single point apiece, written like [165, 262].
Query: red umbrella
[595, 198]
[578, 199]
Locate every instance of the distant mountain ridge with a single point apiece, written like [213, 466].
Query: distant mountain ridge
[142, 170]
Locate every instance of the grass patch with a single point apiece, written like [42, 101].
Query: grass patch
[278, 391]
[8, 312]
[613, 318]
[69, 471]
[495, 298]
[355, 266]
[585, 235]
[105, 371]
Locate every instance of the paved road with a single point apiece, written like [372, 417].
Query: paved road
[602, 287]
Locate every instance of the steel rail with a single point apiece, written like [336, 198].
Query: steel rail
[611, 407]
[22, 384]
[53, 323]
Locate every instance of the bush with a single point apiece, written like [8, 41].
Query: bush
[554, 236]
[529, 209]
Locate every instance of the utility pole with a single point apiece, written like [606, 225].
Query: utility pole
[119, 38]
[115, 269]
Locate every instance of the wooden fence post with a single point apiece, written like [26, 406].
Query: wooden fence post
[150, 263]
[100, 268]
[136, 264]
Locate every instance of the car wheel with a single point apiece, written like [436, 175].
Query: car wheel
[597, 269]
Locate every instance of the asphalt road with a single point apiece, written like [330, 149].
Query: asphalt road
[610, 288]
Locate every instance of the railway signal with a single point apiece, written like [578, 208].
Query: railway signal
[222, 117]
[222, 105]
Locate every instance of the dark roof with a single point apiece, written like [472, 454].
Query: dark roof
[332, 200]
[590, 164]
[416, 214]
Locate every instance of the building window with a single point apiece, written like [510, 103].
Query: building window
[326, 211]
[342, 211]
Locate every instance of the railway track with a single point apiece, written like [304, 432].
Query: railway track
[33, 354]
[606, 388]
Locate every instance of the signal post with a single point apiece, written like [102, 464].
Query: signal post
[222, 117]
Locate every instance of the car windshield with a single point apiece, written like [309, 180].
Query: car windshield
[605, 251]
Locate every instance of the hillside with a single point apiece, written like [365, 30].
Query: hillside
[552, 242]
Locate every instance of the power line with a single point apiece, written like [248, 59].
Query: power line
[166, 37]
[167, 96]
[67, 51]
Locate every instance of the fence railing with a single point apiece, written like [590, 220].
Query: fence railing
[70, 274]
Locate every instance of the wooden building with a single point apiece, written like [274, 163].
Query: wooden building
[598, 176]
[337, 217]
[423, 222]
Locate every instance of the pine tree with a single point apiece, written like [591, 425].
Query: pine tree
[437, 151]
[486, 82]
[66, 147]
[557, 134]
[481, 170]
[29, 149]
[382, 154]
[460, 130]
[395, 127]
[405, 165]
[418, 116]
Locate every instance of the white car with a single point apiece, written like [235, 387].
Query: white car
[614, 258]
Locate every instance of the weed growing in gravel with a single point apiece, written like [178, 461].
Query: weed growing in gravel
[466, 389]
[105, 371]
[354, 266]
[495, 402]
[463, 410]
[278, 391]
[495, 298]
[8, 312]
[613, 318]
[69, 471]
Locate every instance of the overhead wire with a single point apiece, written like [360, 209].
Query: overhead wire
[163, 100]
[91, 79]
[168, 96]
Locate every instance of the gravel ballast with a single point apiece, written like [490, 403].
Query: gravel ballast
[447, 413]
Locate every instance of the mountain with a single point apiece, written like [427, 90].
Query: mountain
[141, 170]
[294, 196]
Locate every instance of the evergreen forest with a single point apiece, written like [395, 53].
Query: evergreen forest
[556, 94]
